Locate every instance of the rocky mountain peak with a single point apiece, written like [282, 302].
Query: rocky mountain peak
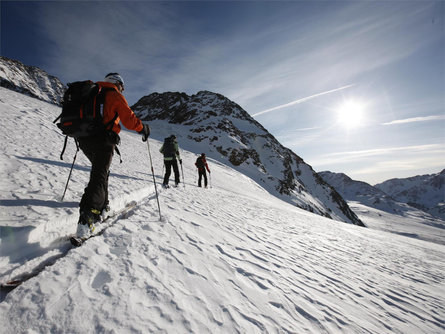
[30, 80]
[181, 108]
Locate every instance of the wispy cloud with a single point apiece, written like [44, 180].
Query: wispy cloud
[399, 165]
[287, 134]
[438, 150]
[185, 46]
[416, 119]
[304, 99]
[378, 165]
[390, 150]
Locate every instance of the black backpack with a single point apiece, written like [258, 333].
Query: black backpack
[82, 111]
[169, 150]
[200, 162]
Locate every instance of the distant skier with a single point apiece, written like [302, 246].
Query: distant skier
[99, 149]
[170, 150]
[202, 165]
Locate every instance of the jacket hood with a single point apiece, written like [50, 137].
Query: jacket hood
[108, 85]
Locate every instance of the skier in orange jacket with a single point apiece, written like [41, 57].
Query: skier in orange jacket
[100, 148]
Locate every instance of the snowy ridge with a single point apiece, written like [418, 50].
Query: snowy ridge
[30, 80]
[425, 192]
[209, 122]
[377, 209]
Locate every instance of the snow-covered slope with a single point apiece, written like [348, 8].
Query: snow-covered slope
[210, 123]
[360, 191]
[379, 210]
[30, 80]
[371, 196]
[426, 192]
[228, 259]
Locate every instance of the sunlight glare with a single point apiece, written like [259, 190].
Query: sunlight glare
[350, 114]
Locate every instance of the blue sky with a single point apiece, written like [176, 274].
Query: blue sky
[294, 66]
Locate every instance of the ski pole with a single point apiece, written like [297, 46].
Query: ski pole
[182, 170]
[154, 181]
[210, 179]
[69, 176]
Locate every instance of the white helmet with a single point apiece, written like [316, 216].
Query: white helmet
[114, 78]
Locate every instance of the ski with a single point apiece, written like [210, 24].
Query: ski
[10, 285]
[102, 225]
[105, 223]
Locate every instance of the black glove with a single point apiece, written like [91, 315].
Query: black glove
[180, 161]
[145, 132]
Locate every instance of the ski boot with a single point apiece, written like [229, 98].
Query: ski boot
[106, 212]
[87, 219]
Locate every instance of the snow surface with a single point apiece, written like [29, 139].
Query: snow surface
[227, 259]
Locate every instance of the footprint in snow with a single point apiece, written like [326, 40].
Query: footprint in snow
[101, 279]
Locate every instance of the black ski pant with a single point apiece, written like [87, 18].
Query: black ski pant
[99, 150]
[202, 173]
[168, 170]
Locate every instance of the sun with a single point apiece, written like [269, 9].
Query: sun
[350, 114]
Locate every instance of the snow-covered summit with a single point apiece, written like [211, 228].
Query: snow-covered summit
[211, 123]
[373, 206]
[425, 192]
[353, 190]
[30, 80]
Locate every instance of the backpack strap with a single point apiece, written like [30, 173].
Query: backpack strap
[100, 103]
[109, 125]
[64, 146]
[118, 153]
[54, 122]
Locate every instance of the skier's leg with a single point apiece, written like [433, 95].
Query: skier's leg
[100, 154]
[176, 171]
[199, 178]
[168, 170]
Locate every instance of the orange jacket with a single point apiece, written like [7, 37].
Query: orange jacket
[115, 102]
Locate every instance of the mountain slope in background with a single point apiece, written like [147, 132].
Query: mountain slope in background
[380, 211]
[209, 122]
[30, 80]
[364, 193]
[425, 192]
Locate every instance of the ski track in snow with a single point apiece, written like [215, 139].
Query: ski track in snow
[227, 259]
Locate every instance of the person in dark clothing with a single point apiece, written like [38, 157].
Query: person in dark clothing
[170, 150]
[202, 165]
[99, 149]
